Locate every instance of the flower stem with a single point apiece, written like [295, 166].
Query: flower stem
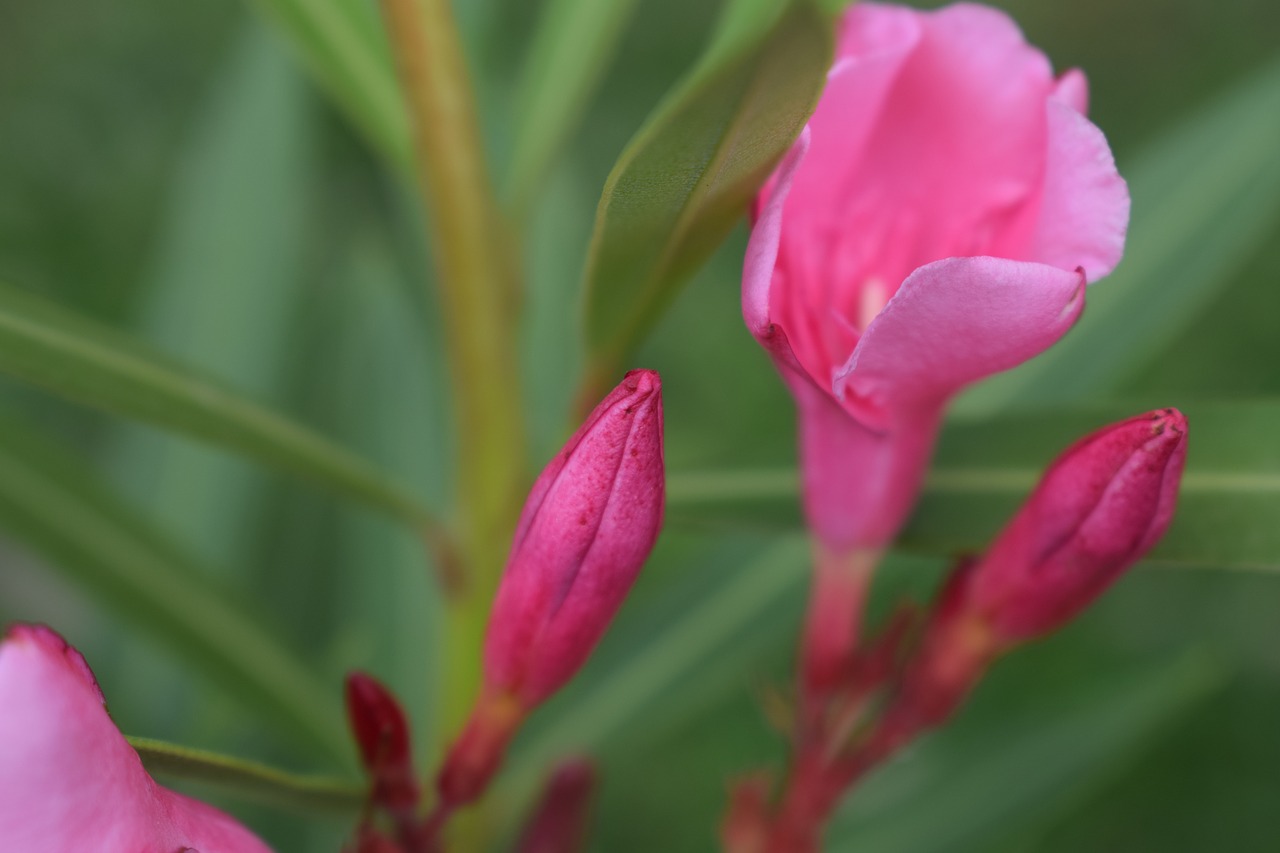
[477, 293]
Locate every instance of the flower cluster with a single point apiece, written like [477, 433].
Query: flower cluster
[938, 220]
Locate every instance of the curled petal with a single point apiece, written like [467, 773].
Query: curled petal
[953, 322]
[1084, 210]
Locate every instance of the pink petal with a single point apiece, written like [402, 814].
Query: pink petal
[762, 257]
[70, 781]
[953, 322]
[1084, 209]
[860, 482]
[1073, 90]
[953, 162]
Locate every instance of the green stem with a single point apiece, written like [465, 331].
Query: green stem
[478, 296]
[250, 780]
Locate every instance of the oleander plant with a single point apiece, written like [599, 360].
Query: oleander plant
[772, 426]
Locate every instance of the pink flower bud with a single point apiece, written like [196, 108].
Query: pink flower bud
[1098, 509]
[382, 734]
[559, 824]
[589, 524]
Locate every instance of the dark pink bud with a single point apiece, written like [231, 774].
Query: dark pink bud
[590, 522]
[1098, 509]
[382, 734]
[559, 825]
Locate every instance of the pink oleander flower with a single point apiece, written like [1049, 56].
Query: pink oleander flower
[588, 525]
[68, 778]
[936, 222]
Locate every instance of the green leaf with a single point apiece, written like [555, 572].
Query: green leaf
[570, 52]
[55, 505]
[1229, 501]
[250, 780]
[686, 178]
[91, 364]
[227, 292]
[341, 42]
[392, 624]
[1205, 199]
[989, 777]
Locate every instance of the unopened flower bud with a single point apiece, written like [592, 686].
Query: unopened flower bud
[1098, 509]
[559, 825]
[587, 527]
[589, 524]
[382, 734]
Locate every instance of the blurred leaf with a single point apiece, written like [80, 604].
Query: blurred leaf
[990, 777]
[386, 383]
[52, 503]
[687, 176]
[1227, 511]
[1204, 199]
[249, 780]
[342, 44]
[227, 293]
[571, 50]
[92, 364]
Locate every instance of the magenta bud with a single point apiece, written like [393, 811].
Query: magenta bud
[588, 525]
[1099, 508]
[559, 824]
[382, 734]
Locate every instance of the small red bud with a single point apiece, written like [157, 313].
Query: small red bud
[382, 734]
[559, 824]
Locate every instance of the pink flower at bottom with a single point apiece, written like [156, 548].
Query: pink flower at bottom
[69, 781]
[936, 223]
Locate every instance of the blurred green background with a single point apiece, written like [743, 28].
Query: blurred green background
[171, 170]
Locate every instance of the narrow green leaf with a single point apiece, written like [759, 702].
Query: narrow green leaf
[342, 44]
[686, 178]
[250, 780]
[990, 777]
[91, 364]
[56, 506]
[1204, 199]
[230, 257]
[1226, 515]
[393, 626]
[570, 52]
